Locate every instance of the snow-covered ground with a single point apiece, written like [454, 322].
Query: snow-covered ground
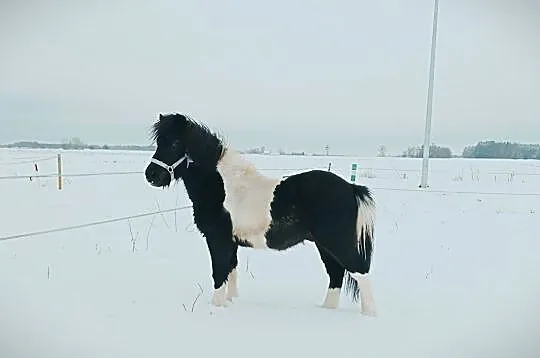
[455, 274]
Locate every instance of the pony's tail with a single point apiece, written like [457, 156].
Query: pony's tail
[365, 225]
[351, 287]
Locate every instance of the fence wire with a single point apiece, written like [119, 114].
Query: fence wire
[462, 192]
[95, 223]
[125, 218]
[67, 175]
[27, 161]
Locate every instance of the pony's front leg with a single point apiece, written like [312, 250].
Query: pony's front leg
[221, 250]
[232, 280]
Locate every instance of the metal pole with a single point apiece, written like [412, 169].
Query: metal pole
[427, 132]
[59, 158]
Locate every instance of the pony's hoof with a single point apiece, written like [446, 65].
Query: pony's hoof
[220, 298]
[220, 303]
[328, 306]
[369, 312]
[231, 295]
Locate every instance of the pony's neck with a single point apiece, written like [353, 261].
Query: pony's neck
[204, 147]
[202, 187]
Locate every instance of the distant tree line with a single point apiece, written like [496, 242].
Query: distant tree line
[258, 150]
[74, 144]
[502, 150]
[484, 149]
[435, 151]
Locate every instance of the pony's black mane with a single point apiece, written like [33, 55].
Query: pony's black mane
[203, 145]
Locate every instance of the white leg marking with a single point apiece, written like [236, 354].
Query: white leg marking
[366, 294]
[232, 285]
[220, 296]
[332, 298]
[248, 195]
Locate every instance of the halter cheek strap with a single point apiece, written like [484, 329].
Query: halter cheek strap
[171, 168]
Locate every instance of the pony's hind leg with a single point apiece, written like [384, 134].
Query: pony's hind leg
[363, 284]
[356, 267]
[358, 281]
[335, 273]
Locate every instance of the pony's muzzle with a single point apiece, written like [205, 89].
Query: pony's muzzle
[156, 175]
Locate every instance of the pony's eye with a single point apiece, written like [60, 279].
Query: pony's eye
[175, 145]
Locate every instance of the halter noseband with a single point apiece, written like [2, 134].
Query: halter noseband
[171, 168]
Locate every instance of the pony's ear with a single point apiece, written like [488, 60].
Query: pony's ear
[160, 116]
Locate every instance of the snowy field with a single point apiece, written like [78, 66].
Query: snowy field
[455, 274]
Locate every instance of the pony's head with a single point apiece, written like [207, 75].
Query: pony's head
[182, 145]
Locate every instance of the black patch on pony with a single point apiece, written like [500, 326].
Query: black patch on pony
[241, 242]
[321, 207]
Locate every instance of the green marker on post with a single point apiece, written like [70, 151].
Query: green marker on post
[354, 167]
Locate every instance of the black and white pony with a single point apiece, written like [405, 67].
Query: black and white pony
[234, 205]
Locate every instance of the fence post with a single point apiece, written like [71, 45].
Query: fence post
[59, 172]
[354, 167]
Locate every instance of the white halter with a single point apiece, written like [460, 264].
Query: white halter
[171, 168]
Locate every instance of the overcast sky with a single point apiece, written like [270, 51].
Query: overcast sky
[294, 75]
